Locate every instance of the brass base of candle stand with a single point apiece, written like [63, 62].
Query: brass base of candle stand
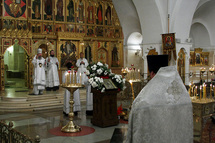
[70, 127]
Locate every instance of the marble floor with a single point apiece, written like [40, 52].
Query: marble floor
[41, 122]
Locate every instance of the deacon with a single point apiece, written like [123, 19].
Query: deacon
[162, 112]
[77, 102]
[82, 64]
[39, 73]
[52, 78]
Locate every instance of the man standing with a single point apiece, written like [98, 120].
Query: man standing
[76, 94]
[82, 64]
[52, 78]
[162, 111]
[39, 73]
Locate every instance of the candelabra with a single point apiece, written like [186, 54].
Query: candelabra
[71, 85]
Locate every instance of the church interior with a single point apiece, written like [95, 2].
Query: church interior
[117, 33]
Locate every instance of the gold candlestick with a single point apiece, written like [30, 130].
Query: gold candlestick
[200, 97]
[70, 127]
[210, 91]
[204, 91]
[132, 89]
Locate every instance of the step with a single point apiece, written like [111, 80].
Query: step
[48, 108]
[17, 99]
[43, 100]
[44, 103]
[13, 104]
[39, 97]
[16, 110]
[47, 105]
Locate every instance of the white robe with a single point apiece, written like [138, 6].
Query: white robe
[39, 79]
[52, 78]
[82, 68]
[162, 112]
[76, 94]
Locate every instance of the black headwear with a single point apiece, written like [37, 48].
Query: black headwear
[155, 62]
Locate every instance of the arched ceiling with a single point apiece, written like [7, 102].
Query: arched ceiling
[205, 15]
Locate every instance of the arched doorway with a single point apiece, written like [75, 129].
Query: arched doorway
[181, 64]
[16, 67]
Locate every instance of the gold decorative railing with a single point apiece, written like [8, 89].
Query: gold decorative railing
[9, 135]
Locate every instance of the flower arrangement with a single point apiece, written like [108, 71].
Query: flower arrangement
[99, 71]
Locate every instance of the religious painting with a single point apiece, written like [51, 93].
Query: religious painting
[88, 51]
[70, 28]
[59, 13]
[68, 50]
[192, 58]
[90, 13]
[198, 57]
[81, 11]
[90, 31]
[108, 19]
[15, 8]
[36, 9]
[109, 84]
[99, 31]
[59, 27]
[8, 24]
[80, 29]
[25, 44]
[6, 43]
[99, 14]
[168, 44]
[102, 55]
[181, 64]
[21, 25]
[205, 58]
[36, 27]
[70, 10]
[102, 45]
[48, 28]
[48, 9]
[117, 33]
[109, 32]
[115, 56]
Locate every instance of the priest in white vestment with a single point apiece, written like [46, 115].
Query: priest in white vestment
[162, 112]
[39, 79]
[82, 64]
[52, 78]
[77, 102]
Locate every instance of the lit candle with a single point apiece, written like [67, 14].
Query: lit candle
[66, 78]
[190, 89]
[196, 89]
[80, 79]
[75, 77]
[204, 91]
[200, 92]
[214, 89]
[210, 91]
[138, 73]
[72, 77]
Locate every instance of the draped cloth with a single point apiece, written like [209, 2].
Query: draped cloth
[162, 112]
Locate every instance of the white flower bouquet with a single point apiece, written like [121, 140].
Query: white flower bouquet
[99, 71]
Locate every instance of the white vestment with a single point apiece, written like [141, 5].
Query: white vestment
[82, 68]
[162, 112]
[39, 75]
[76, 94]
[52, 78]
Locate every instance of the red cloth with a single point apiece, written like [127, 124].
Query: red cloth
[119, 110]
